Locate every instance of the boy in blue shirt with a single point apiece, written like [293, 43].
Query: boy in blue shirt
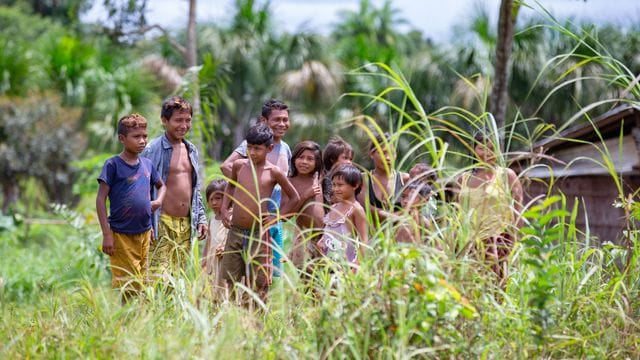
[126, 179]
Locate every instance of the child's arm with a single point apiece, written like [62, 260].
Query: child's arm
[314, 192]
[227, 166]
[162, 190]
[101, 209]
[359, 219]
[229, 190]
[292, 194]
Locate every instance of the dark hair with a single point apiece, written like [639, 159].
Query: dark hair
[335, 147]
[271, 105]
[380, 139]
[130, 122]
[259, 134]
[299, 149]
[174, 103]
[217, 185]
[424, 172]
[350, 174]
[422, 187]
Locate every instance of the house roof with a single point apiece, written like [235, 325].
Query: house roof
[607, 124]
[563, 156]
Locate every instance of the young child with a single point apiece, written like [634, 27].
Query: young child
[126, 180]
[214, 247]
[275, 114]
[413, 199]
[337, 152]
[383, 184]
[250, 186]
[182, 213]
[345, 226]
[305, 178]
[423, 173]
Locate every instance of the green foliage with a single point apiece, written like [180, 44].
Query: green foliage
[542, 238]
[38, 141]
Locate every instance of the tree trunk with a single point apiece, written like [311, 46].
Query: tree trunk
[191, 60]
[191, 56]
[499, 91]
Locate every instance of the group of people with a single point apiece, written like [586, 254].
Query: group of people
[155, 202]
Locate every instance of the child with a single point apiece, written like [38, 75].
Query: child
[214, 246]
[337, 152]
[423, 173]
[345, 226]
[126, 180]
[413, 199]
[275, 114]
[250, 186]
[383, 184]
[183, 212]
[305, 175]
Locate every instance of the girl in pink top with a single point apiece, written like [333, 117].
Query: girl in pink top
[345, 226]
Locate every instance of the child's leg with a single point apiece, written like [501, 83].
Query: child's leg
[129, 261]
[232, 264]
[170, 250]
[259, 258]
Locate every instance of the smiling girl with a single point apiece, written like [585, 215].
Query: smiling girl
[305, 178]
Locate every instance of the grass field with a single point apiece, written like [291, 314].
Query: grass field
[562, 301]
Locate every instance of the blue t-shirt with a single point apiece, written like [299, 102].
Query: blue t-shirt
[129, 194]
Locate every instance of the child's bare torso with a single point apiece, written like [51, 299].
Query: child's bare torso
[177, 201]
[250, 201]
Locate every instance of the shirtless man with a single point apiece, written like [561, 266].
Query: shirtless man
[176, 160]
[255, 178]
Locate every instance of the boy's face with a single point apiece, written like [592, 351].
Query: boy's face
[135, 141]
[258, 153]
[178, 125]
[412, 198]
[215, 201]
[344, 158]
[485, 152]
[381, 157]
[278, 121]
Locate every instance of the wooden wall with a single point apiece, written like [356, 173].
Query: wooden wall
[597, 195]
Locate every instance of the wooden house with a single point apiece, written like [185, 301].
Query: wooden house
[576, 165]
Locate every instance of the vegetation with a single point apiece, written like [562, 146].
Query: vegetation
[64, 83]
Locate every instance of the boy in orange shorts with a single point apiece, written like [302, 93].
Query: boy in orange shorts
[126, 179]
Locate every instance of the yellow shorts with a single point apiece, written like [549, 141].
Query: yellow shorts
[129, 259]
[170, 250]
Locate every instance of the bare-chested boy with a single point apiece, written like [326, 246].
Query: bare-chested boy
[250, 186]
[182, 211]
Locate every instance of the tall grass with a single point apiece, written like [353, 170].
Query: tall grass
[563, 299]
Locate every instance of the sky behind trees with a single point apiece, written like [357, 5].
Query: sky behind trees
[435, 18]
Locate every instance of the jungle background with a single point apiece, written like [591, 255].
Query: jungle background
[64, 83]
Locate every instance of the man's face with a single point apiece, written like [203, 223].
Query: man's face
[178, 125]
[278, 121]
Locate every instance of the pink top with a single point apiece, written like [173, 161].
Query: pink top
[338, 242]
